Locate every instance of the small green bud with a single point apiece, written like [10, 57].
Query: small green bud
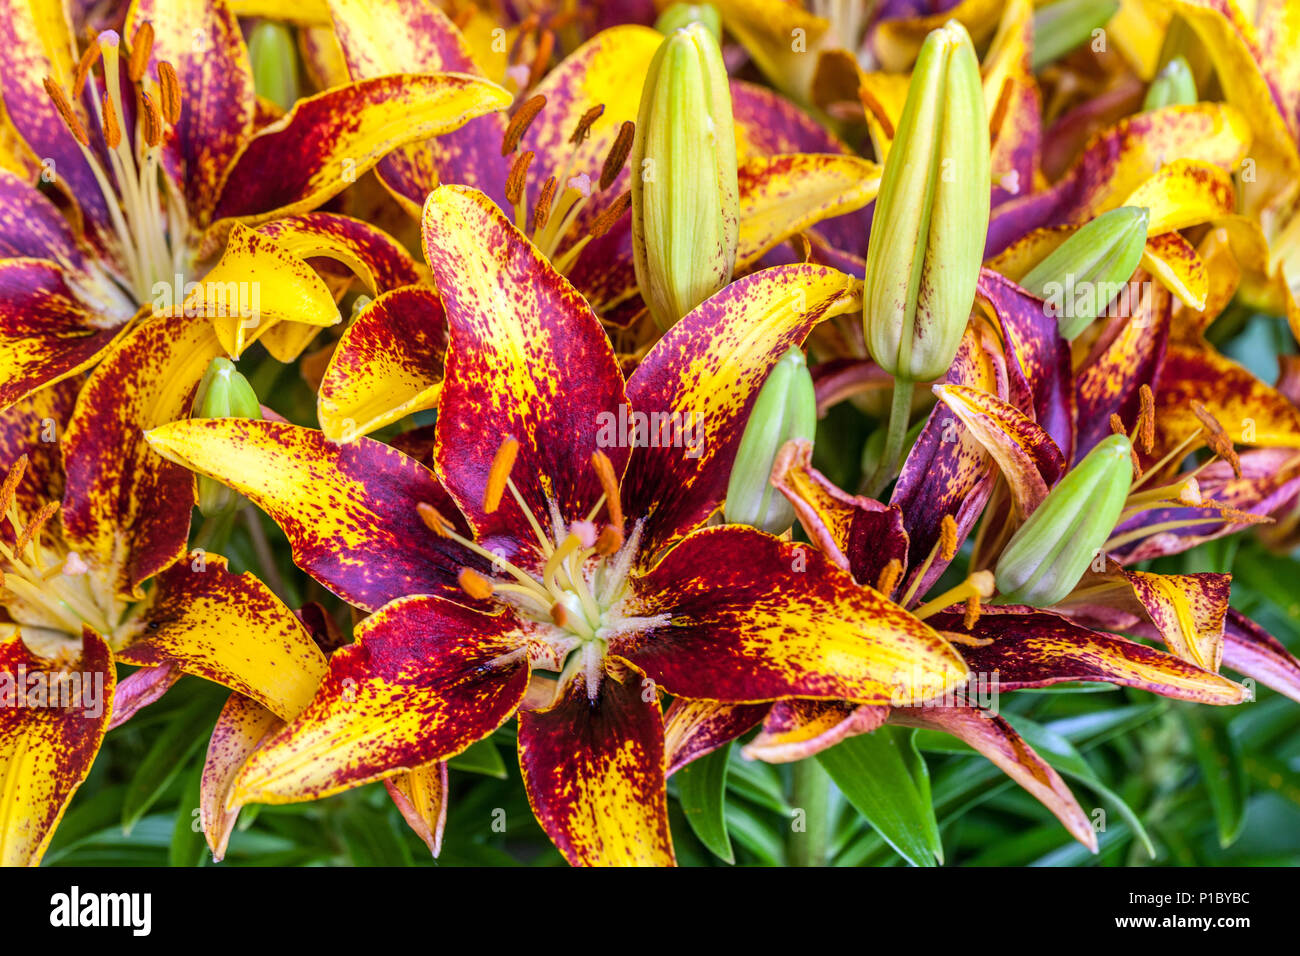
[932, 214]
[1045, 558]
[274, 57]
[1082, 275]
[685, 191]
[223, 393]
[1173, 86]
[786, 408]
[684, 14]
[1060, 27]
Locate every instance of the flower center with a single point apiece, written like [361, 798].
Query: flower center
[149, 220]
[581, 599]
[46, 589]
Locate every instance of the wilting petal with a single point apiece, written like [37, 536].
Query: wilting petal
[859, 534]
[381, 37]
[693, 728]
[1188, 610]
[1250, 650]
[424, 680]
[229, 628]
[528, 359]
[46, 334]
[328, 139]
[387, 365]
[798, 729]
[594, 770]
[203, 42]
[349, 511]
[421, 796]
[1120, 160]
[1029, 459]
[753, 618]
[703, 376]
[140, 688]
[46, 751]
[1172, 260]
[992, 736]
[126, 510]
[784, 195]
[243, 725]
[1031, 648]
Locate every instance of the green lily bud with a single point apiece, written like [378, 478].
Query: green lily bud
[685, 193]
[1045, 558]
[274, 57]
[932, 214]
[786, 408]
[1079, 278]
[684, 14]
[1173, 86]
[223, 393]
[1060, 27]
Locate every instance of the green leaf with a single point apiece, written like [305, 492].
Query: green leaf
[482, 757]
[188, 844]
[1225, 779]
[702, 786]
[873, 771]
[176, 742]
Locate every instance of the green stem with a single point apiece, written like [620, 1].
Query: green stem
[212, 534]
[810, 793]
[900, 413]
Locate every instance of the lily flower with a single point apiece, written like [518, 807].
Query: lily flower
[550, 539]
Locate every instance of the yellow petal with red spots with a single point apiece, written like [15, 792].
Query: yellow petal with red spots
[1178, 267]
[1184, 193]
[421, 797]
[693, 728]
[1013, 103]
[897, 41]
[52, 721]
[779, 36]
[372, 255]
[302, 12]
[799, 729]
[243, 724]
[1188, 610]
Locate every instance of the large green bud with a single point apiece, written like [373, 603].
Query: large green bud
[932, 214]
[1080, 277]
[273, 55]
[1047, 556]
[786, 408]
[223, 393]
[685, 194]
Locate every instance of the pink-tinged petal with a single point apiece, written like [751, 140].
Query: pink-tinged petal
[754, 618]
[46, 751]
[702, 379]
[421, 797]
[992, 736]
[693, 728]
[46, 334]
[127, 511]
[349, 511]
[839, 379]
[1029, 459]
[202, 41]
[1119, 160]
[31, 227]
[425, 679]
[381, 37]
[594, 771]
[1128, 354]
[231, 629]
[330, 139]
[799, 729]
[243, 725]
[947, 473]
[528, 359]
[387, 365]
[1031, 648]
[859, 534]
[375, 257]
[1251, 650]
[140, 688]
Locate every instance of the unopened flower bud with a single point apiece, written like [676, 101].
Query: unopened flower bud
[786, 408]
[685, 193]
[223, 393]
[1045, 558]
[932, 213]
[1173, 86]
[1060, 27]
[1079, 278]
[684, 14]
[274, 58]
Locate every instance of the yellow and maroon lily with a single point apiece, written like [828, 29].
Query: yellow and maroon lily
[155, 142]
[551, 539]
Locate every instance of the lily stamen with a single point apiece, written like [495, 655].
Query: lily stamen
[945, 547]
[978, 585]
